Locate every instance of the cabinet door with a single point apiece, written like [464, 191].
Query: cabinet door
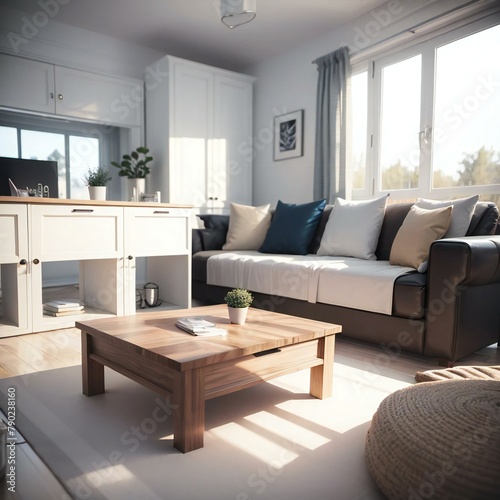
[14, 270]
[26, 84]
[230, 178]
[76, 232]
[97, 97]
[191, 108]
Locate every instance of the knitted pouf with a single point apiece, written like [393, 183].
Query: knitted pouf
[460, 373]
[438, 440]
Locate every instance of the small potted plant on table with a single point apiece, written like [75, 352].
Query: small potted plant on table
[96, 180]
[238, 301]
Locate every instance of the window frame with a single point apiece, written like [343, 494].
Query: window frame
[108, 136]
[425, 44]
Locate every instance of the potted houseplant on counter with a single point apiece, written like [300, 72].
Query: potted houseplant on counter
[238, 301]
[135, 167]
[96, 180]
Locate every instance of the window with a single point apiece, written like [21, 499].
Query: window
[433, 115]
[75, 146]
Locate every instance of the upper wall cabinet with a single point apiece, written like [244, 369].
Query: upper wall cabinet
[199, 130]
[26, 84]
[41, 87]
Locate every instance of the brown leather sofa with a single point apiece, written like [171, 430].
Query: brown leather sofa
[448, 312]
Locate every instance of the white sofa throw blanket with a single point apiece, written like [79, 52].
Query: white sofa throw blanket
[343, 281]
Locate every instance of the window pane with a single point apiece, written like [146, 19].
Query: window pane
[466, 139]
[46, 146]
[400, 124]
[8, 142]
[359, 92]
[84, 154]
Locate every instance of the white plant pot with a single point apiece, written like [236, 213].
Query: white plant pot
[136, 187]
[97, 192]
[237, 315]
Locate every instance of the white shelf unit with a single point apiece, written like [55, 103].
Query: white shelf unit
[106, 239]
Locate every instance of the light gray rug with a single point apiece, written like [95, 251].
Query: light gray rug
[272, 441]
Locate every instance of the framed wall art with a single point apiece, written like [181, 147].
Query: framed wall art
[288, 135]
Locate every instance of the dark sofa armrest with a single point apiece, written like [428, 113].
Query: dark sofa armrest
[471, 260]
[463, 296]
[213, 236]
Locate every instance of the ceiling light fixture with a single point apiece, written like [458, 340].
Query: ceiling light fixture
[234, 13]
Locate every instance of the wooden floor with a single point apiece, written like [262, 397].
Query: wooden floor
[39, 352]
[60, 348]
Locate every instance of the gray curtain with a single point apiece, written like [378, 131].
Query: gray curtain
[331, 176]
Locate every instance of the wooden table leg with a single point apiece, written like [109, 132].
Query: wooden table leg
[92, 371]
[322, 375]
[189, 416]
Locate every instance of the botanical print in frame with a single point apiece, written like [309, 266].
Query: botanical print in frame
[288, 135]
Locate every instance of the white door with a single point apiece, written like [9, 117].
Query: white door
[230, 179]
[26, 84]
[191, 107]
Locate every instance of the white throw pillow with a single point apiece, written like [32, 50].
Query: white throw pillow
[247, 227]
[463, 210]
[353, 228]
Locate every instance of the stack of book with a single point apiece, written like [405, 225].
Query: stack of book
[197, 325]
[63, 308]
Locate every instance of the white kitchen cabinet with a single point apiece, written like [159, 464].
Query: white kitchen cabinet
[199, 130]
[106, 239]
[41, 87]
[14, 271]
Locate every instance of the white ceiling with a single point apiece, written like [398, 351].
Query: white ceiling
[192, 29]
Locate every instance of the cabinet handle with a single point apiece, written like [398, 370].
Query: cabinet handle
[161, 212]
[52, 95]
[130, 257]
[60, 96]
[80, 210]
[36, 261]
[23, 262]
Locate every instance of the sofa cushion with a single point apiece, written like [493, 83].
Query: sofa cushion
[408, 300]
[248, 227]
[293, 227]
[485, 219]
[420, 228]
[353, 228]
[463, 209]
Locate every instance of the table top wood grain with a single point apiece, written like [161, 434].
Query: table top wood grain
[155, 336]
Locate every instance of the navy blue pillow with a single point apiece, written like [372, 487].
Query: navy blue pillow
[293, 227]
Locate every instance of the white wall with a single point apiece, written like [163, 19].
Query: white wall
[288, 82]
[65, 45]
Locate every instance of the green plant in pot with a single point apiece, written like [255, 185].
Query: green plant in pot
[135, 166]
[238, 301]
[96, 180]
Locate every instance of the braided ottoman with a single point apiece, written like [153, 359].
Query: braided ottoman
[438, 440]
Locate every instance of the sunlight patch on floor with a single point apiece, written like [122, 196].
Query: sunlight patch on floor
[295, 433]
[277, 451]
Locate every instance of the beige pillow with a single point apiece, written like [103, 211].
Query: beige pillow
[419, 229]
[247, 227]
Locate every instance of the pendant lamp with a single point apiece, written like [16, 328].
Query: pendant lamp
[234, 13]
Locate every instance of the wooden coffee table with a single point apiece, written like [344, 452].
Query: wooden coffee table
[151, 350]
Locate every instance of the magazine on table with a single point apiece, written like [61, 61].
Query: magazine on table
[197, 325]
